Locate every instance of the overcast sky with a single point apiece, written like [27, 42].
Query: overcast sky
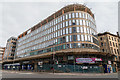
[17, 17]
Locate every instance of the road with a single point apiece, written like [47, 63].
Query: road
[25, 74]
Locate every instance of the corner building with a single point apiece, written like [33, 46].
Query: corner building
[66, 41]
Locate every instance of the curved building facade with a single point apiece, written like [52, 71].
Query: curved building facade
[66, 41]
[71, 29]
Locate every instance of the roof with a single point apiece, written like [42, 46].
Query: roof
[100, 34]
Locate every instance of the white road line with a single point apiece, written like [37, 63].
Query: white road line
[25, 73]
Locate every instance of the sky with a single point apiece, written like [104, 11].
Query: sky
[17, 17]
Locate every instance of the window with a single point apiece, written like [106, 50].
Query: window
[113, 44]
[70, 45]
[63, 17]
[81, 28]
[85, 37]
[82, 37]
[78, 30]
[73, 15]
[84, 22]
[84, 29]
[70, 30]
[66, 23]
[69, 15]
[63, 31]
[74, 45]
[80, 15]
[79, 45]
[70, 38]
[64, 40]
[77, 22]
[67, 46]
[63, 24]
[73, 22]
[74, 29]
[88, 30]
[78, 37]
[66, 30]
[89, 38]
[66, 16]
[83, 15]
[67, 40]
[116, 45]
[74, 37]
[81, 22]
[76, 15]
[101, 43]
[70, 23]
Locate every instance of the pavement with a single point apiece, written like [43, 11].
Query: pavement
[28, 74]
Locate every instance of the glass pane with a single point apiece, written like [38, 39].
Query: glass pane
[67, 40]
[76, 15]
[66, 30]
[73, 15]
[77, 22]
[78, 30]
[70, 30]
[82, 37]
[78, 37]
[81, 22]
[74, 29]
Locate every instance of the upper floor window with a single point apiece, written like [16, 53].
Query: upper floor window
[76, 15]
[66, 16]
[80, 15]
[73, 15]
[74, 29]
[69, 15]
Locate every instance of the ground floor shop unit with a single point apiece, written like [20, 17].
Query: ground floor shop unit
[83, 62]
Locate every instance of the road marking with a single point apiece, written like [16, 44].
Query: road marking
[25, 73]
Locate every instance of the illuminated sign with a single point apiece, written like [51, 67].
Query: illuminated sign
[87, 60]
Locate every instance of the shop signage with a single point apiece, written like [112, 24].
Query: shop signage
[85, 60]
